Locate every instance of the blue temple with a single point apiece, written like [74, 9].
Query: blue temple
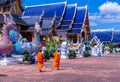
[79, 20]
[68, 17]
[103, 35]
[116, 36]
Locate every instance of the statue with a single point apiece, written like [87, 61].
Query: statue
[6, 45]
[21, 44]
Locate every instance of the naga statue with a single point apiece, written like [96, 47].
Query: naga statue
[21, 44]
[6, 45]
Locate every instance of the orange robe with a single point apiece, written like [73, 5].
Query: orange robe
[40, 60]
[56, 60]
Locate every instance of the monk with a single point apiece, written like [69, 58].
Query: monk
[56, 60]
[40, 58]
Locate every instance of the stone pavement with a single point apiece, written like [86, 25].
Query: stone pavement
[91, 69]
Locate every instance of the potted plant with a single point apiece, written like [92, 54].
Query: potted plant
[108, 47]
[72, 54]
[27, 58]
[46, 55]
[86, 54]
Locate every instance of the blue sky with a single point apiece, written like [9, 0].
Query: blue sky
[102, 13]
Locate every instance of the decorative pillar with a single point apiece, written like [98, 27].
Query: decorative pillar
[78, 38]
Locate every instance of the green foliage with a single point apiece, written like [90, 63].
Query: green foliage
[25, 52]
[51, 47]
[72, 54]
[29, 58]
[52, 44]
[86, 54]
[110, 46]
[26, 56]
[52, 51]
[46, 55]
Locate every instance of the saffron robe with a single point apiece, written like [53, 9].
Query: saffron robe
[40, 58]
[56, 60]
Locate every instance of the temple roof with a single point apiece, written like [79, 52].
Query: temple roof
[44, 32]
[32, 28]
[80, 17]
[16, 18]
[46, 24]
[70, 12]
[75, 31]
[47, 8]
[102, 35]
[31, 20]
[68, 17]
[79, 20]
[106, 35]
[49, 11]
[116, 36]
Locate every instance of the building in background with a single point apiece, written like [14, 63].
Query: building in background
[57, 20]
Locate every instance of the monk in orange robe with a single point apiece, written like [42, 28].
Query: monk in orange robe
[40, 58]
[56, 60]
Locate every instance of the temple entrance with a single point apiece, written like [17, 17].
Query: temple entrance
[72, 38]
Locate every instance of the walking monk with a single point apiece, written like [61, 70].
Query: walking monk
[56, 60]
[40, 58]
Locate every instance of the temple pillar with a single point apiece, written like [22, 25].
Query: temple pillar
[78, 38]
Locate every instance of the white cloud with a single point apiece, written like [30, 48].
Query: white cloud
[93, 24]
[109, 20]
[109, 14]
[110, 8]
[94, 17]
[104, 19]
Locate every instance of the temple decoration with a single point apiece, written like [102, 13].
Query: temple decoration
[6, 45]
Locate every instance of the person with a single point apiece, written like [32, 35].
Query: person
[98, 52]
[40, 58]
[56, 60]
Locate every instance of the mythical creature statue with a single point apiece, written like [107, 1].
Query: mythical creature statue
[6, 45]
[21, 44]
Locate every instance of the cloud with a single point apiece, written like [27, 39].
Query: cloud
[110, 8]
[109, 13]
[104, 18]
[93, 24]
[95, 17]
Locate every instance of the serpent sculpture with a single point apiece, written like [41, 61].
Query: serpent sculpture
[21, 44]
[6, 45]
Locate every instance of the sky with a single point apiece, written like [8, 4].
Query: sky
[103, 14]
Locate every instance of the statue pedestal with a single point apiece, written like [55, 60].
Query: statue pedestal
[9, 61]
[3, 61]
[63, 50]
[64, 56]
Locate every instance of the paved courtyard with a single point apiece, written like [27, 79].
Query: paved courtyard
[91, 69]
